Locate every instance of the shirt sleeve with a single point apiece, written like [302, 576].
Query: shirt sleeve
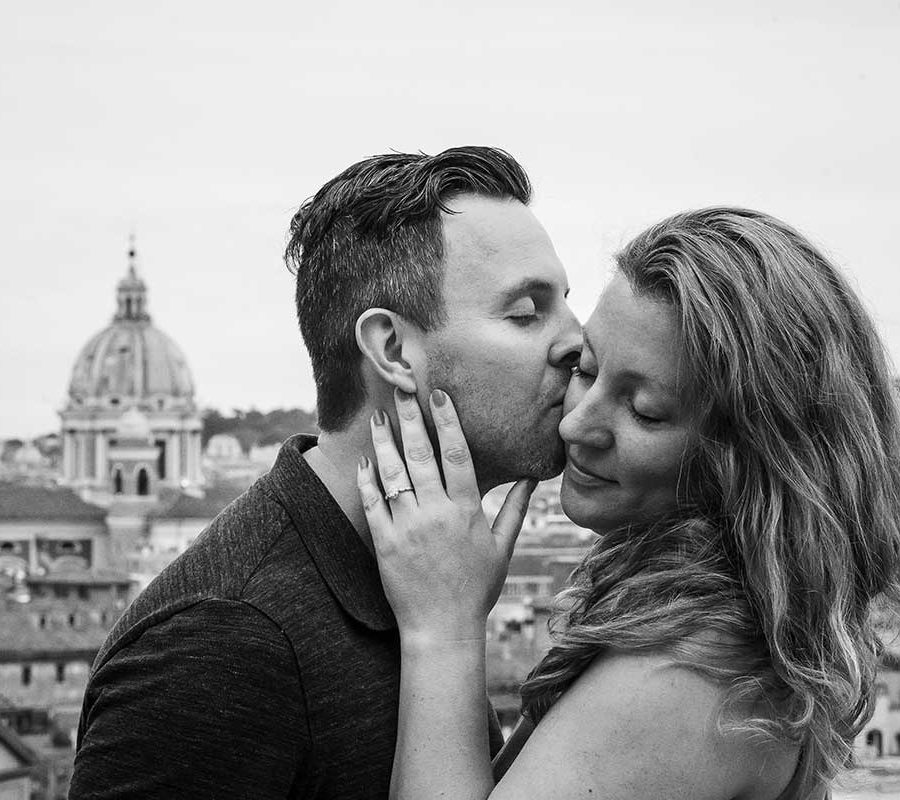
[207, 703]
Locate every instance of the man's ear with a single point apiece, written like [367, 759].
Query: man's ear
[381, 336]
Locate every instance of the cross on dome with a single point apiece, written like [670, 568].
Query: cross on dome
[132, 254]
[131, 293]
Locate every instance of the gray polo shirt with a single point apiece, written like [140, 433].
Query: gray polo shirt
[262, 663]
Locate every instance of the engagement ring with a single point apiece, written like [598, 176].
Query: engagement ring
[393, 494]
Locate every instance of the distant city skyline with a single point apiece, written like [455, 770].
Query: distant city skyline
[201, 128]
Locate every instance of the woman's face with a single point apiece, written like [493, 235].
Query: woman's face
[626, 425]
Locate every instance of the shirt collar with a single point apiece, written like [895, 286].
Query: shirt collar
[335, 547]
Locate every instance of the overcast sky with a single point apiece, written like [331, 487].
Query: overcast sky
[202, 126]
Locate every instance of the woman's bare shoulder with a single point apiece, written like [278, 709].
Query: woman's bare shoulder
[644, 726]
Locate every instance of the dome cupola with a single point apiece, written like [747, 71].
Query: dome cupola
[131, 362]
[131, 293]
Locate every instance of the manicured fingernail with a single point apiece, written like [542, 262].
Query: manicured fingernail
[363, 463]
[403, 397]
[438, 397]
[378, 417]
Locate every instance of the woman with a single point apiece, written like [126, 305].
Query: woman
[732, 435]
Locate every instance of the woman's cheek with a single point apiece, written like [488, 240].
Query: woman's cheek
[662, 459]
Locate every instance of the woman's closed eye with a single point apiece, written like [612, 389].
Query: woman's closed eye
[644, 417]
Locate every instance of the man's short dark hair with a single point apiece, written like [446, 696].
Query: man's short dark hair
[372, 237]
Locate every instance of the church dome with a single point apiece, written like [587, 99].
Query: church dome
[130, 360]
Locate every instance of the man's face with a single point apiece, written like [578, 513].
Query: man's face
[506, 351]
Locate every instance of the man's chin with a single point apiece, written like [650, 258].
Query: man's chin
[537, 466]
[549, 470]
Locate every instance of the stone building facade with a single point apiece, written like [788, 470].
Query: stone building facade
[130, 423]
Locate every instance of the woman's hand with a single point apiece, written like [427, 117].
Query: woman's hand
[441, 564]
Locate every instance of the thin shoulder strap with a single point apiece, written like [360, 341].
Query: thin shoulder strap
[800, 777]
[512, 747]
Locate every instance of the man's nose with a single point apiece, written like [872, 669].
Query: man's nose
[566, 350]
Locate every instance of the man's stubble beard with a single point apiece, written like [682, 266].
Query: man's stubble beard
[502, 449]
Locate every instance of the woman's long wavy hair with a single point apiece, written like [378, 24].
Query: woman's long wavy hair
[788, 525]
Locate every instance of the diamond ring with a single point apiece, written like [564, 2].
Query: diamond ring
[393, 494]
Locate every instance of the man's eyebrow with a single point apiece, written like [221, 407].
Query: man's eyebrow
[526, 287]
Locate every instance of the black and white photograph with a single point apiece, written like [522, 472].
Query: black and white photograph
[416, 401]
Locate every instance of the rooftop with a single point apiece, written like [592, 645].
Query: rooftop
[12, 742]
[19, 501]
[537, 560]
[21, 639]
[89, 577]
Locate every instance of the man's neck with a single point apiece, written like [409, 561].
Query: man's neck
[334, 459]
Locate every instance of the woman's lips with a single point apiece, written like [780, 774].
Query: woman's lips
[581, 475]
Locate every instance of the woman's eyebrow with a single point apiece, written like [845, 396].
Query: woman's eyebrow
[640, 377]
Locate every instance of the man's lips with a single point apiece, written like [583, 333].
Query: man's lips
[585, 475]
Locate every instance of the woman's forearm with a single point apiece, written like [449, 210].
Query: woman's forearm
[442, 738]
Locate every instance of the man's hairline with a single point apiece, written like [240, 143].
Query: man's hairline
[442, 263]
[443, 215]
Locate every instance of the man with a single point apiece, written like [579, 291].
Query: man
[264, 662]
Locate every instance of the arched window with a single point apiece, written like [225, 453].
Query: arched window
[117, 481]
[873, 740]
[161, 458]
[143, 482]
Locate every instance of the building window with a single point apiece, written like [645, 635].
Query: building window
[84, 593]
[873, 740]
[161, 461]
[143, 482]
[26, 674]
[117, 481]
[60, 673]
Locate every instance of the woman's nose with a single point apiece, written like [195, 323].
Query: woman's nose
[585, 425]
